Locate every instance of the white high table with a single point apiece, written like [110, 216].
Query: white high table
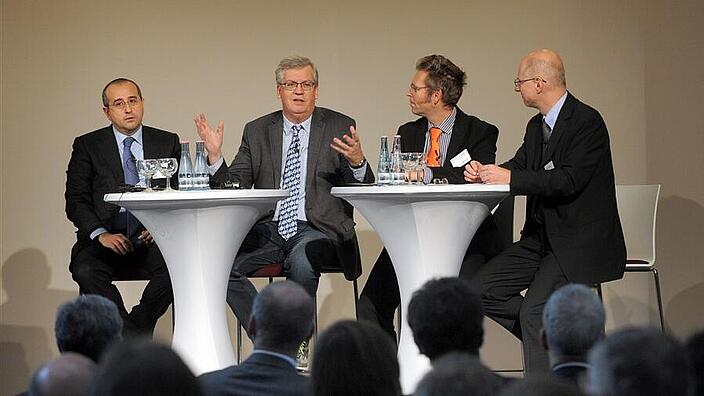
[199, 234]
[426, 230]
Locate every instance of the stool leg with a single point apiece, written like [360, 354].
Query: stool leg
[600, 292]
[658, 294]
[239, 342]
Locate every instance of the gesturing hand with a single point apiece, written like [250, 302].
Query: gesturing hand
[212, 139]
[349, 146]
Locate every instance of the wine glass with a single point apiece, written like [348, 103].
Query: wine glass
[147, 168]
[168, 167]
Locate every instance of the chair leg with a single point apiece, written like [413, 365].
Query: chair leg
[656, 277]
[315, 317]
[355, 290]
[239, 342]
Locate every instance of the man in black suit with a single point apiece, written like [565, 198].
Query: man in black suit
[572, 231]
[282, 318]
[434, 92]
[304, 149]
[109, 237]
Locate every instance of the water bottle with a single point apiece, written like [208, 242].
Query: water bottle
[383, 171]
[185, 168]
[201, 176]
[397, 175]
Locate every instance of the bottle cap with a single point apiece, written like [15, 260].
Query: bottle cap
[185, 142]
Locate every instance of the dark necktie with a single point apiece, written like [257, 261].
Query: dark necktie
[288, 212]
[129, 163]
[546, 135]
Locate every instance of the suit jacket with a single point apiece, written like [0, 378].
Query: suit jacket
[258, 164]
[577, 196]
[469, 132]
[260, 374]
[95, 169]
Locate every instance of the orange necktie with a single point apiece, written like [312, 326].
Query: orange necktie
[433, 157]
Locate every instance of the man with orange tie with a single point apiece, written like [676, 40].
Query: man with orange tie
[450, 139]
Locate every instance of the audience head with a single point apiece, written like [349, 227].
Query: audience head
[143, 367]
[459, 373]
[573, 321]
[443, 76]
[541, 386]
[355, 358]
[282, 317]
[88, 324]
[695, 350]
[638, 361]
[446, 315]
[70, 374]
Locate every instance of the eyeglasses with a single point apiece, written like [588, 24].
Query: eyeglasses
[517, 83]
[121, 104]
[292, 85]
[415, 89]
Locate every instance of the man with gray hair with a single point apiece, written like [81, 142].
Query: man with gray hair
[87, 325]
[573, 321]
[306, 150]
[282, 318]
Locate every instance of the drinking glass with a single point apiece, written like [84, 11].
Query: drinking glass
[147, 168]
[168, 167]
[414, 173]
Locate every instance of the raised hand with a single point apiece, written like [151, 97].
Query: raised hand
[213, 139]
[349, 146]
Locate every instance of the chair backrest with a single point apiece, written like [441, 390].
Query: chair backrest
[638, 208]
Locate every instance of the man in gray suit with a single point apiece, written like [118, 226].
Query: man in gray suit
[306, 150]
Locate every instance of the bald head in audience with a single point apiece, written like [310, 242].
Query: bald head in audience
[70, 374]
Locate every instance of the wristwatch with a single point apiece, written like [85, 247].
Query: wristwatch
[359, 164]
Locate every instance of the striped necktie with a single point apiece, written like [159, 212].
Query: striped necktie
[288, 213]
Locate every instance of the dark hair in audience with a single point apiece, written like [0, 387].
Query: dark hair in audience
[573, 320]
[355, 359]
[541, 386]
[143, 367]
[283, 315]
[695, 349]
[459, 373]
[70, 374]
[87, 325]
[446, 315]
[443, 75]
[638, 362]
[118, 81]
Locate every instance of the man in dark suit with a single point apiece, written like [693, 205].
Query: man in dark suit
[450, 138]
[572, 231]
[282, 318]
[109, 237]
[304, 149]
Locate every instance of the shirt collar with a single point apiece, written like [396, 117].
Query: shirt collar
[120, 137]
[305, 124]
[287, 358]
[551, 117]
[447, 124]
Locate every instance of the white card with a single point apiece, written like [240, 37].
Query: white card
[461, 159]
[549, 166]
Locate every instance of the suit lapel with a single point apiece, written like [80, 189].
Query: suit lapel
[275, 138]
[457, 137]
[559, 130]
[315, 142]
[107, 147]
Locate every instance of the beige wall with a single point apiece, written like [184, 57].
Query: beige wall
[639, 63]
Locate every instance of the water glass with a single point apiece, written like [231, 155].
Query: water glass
[168, 167]
[147, 168]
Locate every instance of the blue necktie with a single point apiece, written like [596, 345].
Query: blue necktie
[129, 163]
[288, 212]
